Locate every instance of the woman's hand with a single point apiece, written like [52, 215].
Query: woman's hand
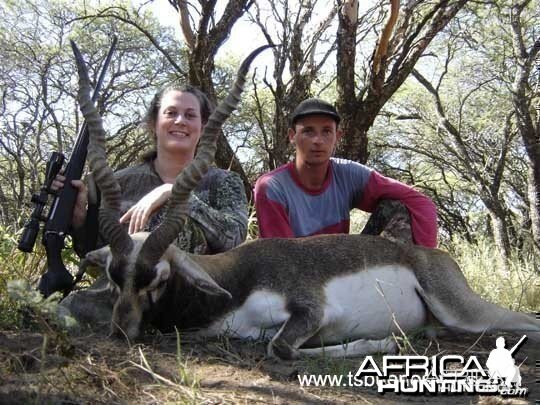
[79, 211]
[138, 215]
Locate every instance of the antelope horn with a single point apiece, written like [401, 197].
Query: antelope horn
[156, 244]
[119, 240]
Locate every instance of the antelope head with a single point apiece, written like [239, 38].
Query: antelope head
[139, 266]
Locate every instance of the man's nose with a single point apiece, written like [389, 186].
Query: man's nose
[318, 138]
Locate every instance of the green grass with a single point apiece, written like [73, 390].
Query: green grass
[515, 286]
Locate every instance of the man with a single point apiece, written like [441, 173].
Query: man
[501, 363]
[315, 193]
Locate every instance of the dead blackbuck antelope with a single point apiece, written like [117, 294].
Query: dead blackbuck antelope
[302, 293]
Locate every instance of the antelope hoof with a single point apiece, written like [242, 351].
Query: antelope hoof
[282, 350]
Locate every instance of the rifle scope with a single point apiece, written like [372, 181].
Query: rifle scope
[31, 228]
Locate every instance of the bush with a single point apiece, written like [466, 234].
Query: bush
[17, 265]
[514, 286]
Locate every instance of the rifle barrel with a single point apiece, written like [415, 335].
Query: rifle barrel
[57, 278]
[519, 343]
[62, 205]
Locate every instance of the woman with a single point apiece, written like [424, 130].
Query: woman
[218, 207]
[217, 219]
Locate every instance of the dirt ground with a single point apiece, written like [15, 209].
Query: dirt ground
[94, 369]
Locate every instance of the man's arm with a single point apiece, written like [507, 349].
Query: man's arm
[272, 216]
[421, 209]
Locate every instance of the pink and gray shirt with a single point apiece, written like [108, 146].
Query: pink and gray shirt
[287, 209]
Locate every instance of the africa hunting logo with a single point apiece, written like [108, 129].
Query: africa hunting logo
[448, 374]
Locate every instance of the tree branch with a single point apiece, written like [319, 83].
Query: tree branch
[110, 13]
[381, 52]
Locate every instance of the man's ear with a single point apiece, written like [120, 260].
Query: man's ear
[291, 134]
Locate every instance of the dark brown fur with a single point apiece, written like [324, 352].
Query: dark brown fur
[299, 269]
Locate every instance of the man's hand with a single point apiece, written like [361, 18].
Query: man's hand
[79, 211]
[138, 215]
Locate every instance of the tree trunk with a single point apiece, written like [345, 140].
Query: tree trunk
[204, 42]
[403, 48]
[225, 156]
[500, 234]
[533, 188]
[528, 129]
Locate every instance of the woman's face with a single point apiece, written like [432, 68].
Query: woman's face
[178, 123]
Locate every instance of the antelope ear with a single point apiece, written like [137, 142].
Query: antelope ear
[99, 258]
[196, 276]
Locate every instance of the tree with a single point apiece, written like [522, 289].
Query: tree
[463, 143]
[406, 35]
[30, 125]
[301, 51]
[204, 34]
[525, 51]
[482, 160]
[40, 113]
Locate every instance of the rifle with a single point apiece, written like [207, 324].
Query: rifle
[58, 220]
[517, 345]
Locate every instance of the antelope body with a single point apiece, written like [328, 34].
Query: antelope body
[309, 292]
[301, 293]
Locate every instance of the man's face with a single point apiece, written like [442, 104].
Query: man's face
[315, 137]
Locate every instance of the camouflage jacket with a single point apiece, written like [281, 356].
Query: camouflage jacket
[217, 219]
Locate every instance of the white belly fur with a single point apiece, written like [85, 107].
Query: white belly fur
[358, 306]
[368, 304]
[259, 317]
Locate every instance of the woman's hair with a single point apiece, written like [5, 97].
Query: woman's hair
[150, 118]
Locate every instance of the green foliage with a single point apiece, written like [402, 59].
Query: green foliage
[253, 226]
[186, 377]
[460, 141]
[45, 311]
[358, 221]
[21, 305]
[515, 286]
[25, 269]
[15, 265]
[45, 315]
